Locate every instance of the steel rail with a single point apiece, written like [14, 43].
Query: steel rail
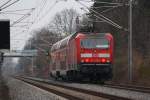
[129, 87]
[49, 90]
[79, 90]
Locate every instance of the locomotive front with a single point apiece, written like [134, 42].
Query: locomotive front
[96, 55]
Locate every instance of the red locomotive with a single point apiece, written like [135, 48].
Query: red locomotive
[83, 55]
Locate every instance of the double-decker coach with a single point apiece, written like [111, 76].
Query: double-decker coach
[83, 55]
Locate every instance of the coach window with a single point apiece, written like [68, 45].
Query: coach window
[63, 43]
[57, 46]
[52, 48]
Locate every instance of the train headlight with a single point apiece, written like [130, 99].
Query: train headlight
[103, 60]
[87, 60]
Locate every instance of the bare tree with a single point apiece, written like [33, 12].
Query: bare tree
[65, 22]
[42, 42]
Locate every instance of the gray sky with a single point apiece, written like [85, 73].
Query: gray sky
[42, 15]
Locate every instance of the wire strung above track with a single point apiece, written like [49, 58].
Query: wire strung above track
[102, 17]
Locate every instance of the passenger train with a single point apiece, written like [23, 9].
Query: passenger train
[83, 55]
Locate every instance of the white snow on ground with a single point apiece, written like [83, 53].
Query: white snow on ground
[19, 90]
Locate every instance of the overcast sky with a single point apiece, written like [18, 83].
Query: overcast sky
[42, 15]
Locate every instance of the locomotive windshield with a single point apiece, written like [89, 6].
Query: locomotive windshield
[94, 43]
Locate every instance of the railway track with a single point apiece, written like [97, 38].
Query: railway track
[129, 87]
[68, 92]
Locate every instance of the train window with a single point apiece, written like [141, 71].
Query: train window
[63, 43]
[52, 49]
[94, 43]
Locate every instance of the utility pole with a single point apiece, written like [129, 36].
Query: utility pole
[130, 62]
[32, 66]
[1, 61]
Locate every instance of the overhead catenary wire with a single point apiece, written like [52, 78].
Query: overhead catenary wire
[104, 7]
[19, 10]
[9, 5]
[33, 23]
[39, 10]
[18, 21]
[102, 17]
[102, 20]
[48, 11]
[109, 9]
[5, 4]
[101, 2]
[12, 13]
[22, 18]
[36, 19]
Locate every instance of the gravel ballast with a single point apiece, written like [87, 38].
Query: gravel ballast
[22, 91]
[108, 90]
[118, 92]
[19, 90]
